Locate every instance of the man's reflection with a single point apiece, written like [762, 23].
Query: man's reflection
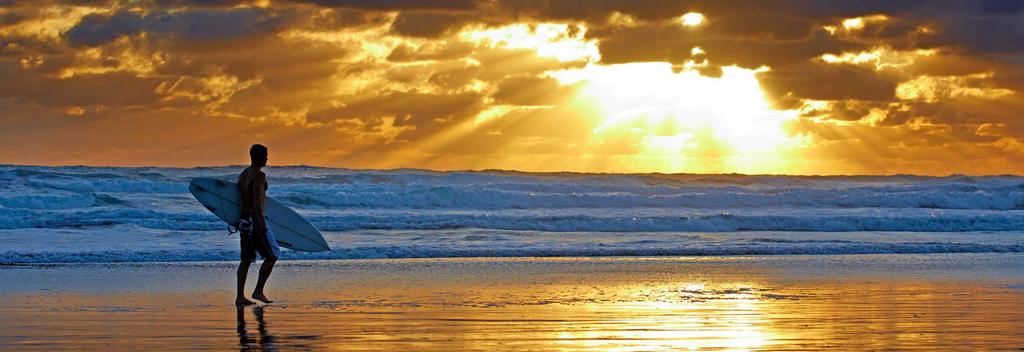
[264, 341]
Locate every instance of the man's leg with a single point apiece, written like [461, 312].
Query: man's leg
[266, 250]
[265, 269]
[243, 272]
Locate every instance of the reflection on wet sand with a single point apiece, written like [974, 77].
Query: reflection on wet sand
[263, 341]
[540, 305]
[737, 325]
[678, 316]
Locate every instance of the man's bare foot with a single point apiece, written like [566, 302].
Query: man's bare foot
[260, 296]
[242, 301]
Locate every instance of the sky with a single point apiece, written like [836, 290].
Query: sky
[743, 86]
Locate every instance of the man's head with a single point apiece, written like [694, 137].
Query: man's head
[258, 155]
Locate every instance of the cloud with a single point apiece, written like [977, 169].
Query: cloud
[391, 5]
[11, 18]
[1002, 35]
[198, 3]
[198, 25]
[827, 82]
[1000, 7]
[427, 24]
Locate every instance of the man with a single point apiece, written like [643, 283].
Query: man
[257, 237]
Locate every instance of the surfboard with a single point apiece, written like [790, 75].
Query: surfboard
[291, 229]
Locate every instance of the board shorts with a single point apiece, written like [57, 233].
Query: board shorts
[257, 238]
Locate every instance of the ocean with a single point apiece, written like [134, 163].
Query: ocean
[146, 214]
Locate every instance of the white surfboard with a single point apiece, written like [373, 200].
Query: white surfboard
[291, 229]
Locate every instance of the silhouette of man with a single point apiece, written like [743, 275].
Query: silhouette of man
[257, 237]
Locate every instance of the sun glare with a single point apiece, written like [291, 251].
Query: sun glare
[692, 19]
[685, 121]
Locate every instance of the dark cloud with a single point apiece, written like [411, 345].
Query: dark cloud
[1000, 7]
[985, 36]
[977, 27]
[195, 3]
[1008, 76]
[12, 18]
[593, 11]
[827, 82]
[392, 5]
[96, 3]
[335, 19]
[97, 29]
[427, 24]
[216, 25]
[199, 25]
[761, 28]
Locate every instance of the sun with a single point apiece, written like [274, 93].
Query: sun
[679, 120]
[691, 19]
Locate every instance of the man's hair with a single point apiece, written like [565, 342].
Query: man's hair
[257, 151]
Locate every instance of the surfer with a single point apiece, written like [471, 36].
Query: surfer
[256, 236]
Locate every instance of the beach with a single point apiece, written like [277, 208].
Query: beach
[968, 301]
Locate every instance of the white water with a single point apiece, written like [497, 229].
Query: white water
[61, 214]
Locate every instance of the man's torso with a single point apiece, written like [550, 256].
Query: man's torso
[252, 186]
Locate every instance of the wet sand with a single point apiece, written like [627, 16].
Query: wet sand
[851, 302]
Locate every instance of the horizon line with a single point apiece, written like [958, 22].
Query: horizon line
[515, 171]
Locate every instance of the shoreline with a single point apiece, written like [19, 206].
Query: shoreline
[129, 243]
